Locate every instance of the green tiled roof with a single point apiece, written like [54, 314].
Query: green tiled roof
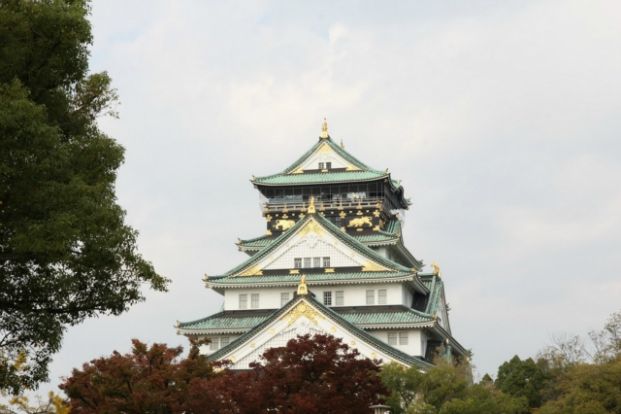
[320, 178]
[351, 328]
[435, 285]
[226, 321]
[288, 177]
[384, 316]
[311, 279]
[364, 317]
[391, 235]
[331, 228]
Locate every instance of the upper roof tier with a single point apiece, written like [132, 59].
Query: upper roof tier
[327, 163]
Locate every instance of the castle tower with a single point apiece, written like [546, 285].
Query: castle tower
[332, 261]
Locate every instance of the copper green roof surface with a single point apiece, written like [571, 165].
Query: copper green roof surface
[227, 321]
[320, 178]
[331, 228]
[311, 279]
[365, 173]
[435, 285]
[331, 314]
[385, 317]
[390, 235]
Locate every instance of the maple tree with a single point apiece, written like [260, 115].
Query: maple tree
[318, 374]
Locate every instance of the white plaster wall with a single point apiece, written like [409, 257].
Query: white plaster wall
[207, 350]
[417, 341]
[269, 298]
[357, 295]
[324, 154]
[407, 297]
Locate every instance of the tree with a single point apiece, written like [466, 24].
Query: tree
[65, 252]
[149, 380]
[524, 378]
[310, 375]
[315, 375]
[587, 388]
[403, 383]
[607, 342]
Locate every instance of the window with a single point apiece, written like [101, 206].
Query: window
[326, 261]
[297, 262]
[392, 338]
[243, 301]
[321, 166]
[328, 165]
[307, 262]
[327, 298]
[403, 338]
[370, 297]
[254, 300]
[339, 298]
[381, 296]
[213, 345]
[284, 298]
[316, 261]
[224, 341]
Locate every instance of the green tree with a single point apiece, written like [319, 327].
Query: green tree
[483, 399]
[403, 383]
[587, 388]
[524, 378]
[65, 252]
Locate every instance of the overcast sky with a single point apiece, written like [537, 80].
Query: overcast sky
[502, 119]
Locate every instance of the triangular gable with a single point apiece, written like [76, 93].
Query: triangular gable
[323, 154]
[303, 315]
[326, 150]
[311, 236]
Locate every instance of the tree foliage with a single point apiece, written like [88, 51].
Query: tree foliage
[524, 378]
[310, 375]
[65, 252]
[587, 388]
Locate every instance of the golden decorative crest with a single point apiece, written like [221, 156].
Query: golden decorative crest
[372, 267]
[436, 268]
[284, 224]
[303, 309]
[360, 222]
[324, 129]
[302, 288]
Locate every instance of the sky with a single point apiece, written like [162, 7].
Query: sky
[501, 119]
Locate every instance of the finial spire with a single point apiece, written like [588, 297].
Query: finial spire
[324, 129]
[302, 288]
[311, 205]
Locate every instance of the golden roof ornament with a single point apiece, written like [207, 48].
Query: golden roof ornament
[302, 288]
[311, 205]
[324, 129]
[436, 268]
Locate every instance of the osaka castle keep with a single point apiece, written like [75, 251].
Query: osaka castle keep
[332, 261]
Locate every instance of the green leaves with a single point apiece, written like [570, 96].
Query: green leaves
[65, 252]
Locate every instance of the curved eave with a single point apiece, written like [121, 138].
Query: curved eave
[321, 179]
[216, 284]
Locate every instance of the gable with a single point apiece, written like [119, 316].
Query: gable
[303, 317]
[324, 153]
[313, 240]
